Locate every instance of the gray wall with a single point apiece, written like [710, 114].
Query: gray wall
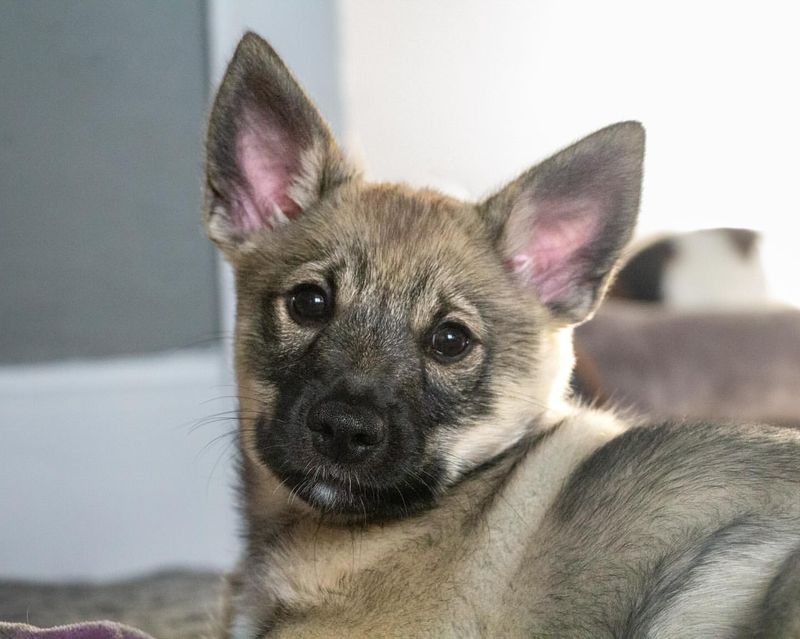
[101, 116]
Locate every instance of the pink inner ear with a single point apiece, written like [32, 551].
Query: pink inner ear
[550, 260]
[268, 164]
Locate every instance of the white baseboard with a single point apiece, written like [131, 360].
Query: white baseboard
[102, 473]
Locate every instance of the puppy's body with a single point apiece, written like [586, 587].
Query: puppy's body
[409, 464]
[584, 529]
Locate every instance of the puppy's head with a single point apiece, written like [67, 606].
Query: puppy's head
[389, 340]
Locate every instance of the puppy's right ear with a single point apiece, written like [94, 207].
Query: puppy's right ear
[269, 153]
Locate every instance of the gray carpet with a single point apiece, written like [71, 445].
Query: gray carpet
[170, 604]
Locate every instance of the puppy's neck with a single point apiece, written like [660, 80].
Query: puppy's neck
[297, 559]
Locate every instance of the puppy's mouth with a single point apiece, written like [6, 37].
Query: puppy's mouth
[351, 499]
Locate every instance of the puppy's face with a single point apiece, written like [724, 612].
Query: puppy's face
[390, 340]
[378, 329]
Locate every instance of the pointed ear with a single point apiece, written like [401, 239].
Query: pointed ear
[562, 225]
[269, 154]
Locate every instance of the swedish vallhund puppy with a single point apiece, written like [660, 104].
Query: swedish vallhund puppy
[410, 463]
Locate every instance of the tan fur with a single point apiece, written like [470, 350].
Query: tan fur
[539, 395]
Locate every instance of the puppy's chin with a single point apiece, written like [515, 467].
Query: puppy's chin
[351, 500]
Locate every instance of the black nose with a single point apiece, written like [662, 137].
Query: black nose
[344, 433]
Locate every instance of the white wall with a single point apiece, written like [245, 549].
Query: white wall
[469, 92]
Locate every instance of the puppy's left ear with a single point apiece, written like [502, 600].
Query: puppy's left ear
[562, 225]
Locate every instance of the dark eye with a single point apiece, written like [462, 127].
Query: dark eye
[309, 304]
[450, 342]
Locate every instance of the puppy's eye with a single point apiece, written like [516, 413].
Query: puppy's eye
[449, 342]
[309, 304]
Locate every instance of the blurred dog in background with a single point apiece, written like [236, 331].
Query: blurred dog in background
[710, 269]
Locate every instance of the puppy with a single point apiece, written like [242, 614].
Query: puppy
[410, 464]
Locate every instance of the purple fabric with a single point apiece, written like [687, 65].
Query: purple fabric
[90, 630]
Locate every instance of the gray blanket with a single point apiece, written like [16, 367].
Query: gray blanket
[175, 604]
